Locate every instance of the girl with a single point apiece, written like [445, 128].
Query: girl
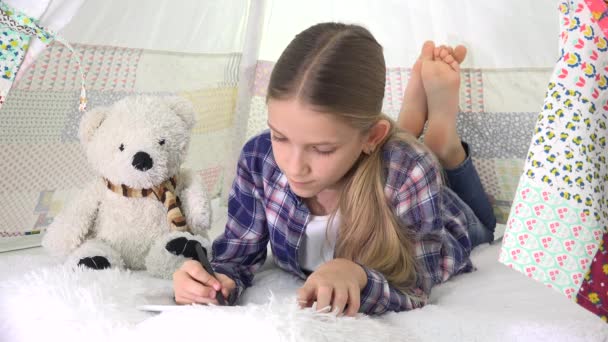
[348, 201]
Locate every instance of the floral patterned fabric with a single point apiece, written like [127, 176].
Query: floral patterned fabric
[16, 30]
[556, 229]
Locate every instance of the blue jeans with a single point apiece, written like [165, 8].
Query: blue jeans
[464, 182]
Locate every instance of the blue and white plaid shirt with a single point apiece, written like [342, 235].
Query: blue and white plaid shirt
[262, 208]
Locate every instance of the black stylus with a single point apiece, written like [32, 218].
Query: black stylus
[201, 255]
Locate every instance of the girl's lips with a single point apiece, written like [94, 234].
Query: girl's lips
[299, 183]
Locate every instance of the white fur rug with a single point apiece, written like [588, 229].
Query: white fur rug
[41, 300]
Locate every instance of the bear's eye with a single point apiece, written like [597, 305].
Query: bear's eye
[161, 142]
[121, 147]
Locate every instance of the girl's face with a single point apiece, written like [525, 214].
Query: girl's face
[313, 149]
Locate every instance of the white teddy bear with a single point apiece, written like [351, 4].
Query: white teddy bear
[142, 210]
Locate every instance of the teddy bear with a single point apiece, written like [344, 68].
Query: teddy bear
[142, 210]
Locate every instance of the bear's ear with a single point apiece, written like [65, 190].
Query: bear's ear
[183, 108]
[90, 122]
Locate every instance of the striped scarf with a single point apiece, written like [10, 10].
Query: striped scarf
[165, 193]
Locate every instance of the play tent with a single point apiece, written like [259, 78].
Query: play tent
[219, 55]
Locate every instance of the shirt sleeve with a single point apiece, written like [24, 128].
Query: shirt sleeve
[379, 296]
[241, 249]
[417, 203]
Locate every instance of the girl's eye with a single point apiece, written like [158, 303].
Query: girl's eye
[121, 147]
[324, 152]
[275, 138]
[161, 142]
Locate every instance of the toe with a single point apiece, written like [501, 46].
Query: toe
[460, 52]
[417, 66]
[455, 66]
[448, 59]
[428, 49]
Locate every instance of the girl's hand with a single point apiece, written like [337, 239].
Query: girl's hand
[337, 283]
[192, 284]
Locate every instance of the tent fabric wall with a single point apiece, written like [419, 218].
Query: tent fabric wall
[43, 165]
[501, 91]
[509, 34]
[185, 26]
[225, 75]
[51, 15]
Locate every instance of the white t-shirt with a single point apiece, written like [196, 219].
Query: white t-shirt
[318, 244]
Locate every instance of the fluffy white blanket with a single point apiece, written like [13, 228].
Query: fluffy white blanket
[42, 300]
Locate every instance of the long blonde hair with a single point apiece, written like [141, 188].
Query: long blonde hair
[339, 69]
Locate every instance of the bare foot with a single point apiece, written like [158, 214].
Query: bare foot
[441, 80]
[414, 108]
[459, 52]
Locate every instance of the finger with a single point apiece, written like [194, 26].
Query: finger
[450, 50]
[206, 296]
[187, 300]
[183, 300]
[443, 53]
[198, 273]
[227, 284]
[436, 52]
[195, 292]
[354, 301]
[306, 296]
[185, 285]
[324, 294]
[340, 299]
[226, 292]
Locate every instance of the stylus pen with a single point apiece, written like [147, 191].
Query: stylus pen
[201, 255]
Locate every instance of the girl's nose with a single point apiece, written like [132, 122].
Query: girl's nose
[297, 165]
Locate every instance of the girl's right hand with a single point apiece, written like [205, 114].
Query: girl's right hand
[192, 284]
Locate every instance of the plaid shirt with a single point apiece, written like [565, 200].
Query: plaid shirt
[262, 208]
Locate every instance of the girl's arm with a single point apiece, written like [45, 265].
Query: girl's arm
[241, 249]
[378, 296]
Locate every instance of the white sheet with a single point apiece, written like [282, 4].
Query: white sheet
[42, 301]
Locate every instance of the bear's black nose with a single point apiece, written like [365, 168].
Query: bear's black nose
[142, 161]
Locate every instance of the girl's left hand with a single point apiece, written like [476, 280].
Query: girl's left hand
[338, 284]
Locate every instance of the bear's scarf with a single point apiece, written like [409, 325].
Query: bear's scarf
[165, 193]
